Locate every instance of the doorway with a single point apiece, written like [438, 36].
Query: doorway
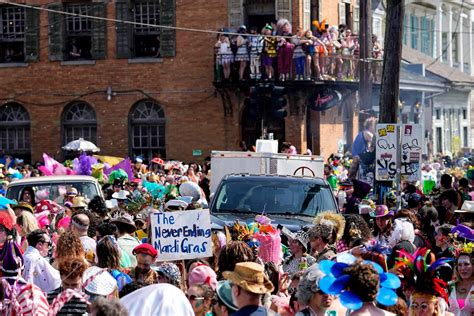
[254, 120]
[259, 21]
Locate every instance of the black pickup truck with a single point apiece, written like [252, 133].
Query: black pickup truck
[291, 201]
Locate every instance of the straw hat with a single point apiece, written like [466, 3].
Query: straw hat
[25, 206]
[98, 281]
[250, 277]
[78, 202]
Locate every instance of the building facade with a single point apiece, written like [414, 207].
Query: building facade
[439, 35]
[142, 90]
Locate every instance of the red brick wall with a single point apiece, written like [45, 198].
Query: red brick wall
[181, 85]
[331, 130]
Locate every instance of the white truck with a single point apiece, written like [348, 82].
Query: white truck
[231, 162]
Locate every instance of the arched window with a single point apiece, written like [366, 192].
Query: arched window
[147, 130]
[79, 121]
[14, 129]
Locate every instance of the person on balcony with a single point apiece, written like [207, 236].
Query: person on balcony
[269, 51]
[310, 51]
[242, 55]
[335, 67]
[299, 55]
[256, 47]
[285, 49]
[348, 46]
[377, 53]
[224, 54]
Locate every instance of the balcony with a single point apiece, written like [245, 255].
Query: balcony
[332, 69]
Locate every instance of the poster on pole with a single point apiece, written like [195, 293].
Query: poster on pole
[386, 152]
[412, 150]
[182, 235]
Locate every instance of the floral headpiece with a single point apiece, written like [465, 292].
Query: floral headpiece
[337, 280]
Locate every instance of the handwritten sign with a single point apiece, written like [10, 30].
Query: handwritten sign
[386, 148]
[412, 149]
[182, 235]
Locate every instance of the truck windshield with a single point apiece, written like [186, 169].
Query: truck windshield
[282, 197]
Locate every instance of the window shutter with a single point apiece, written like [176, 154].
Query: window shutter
[56, 32]
[283, 9]
[123, 30]
[355, 19]
[167, 36]
[32, 27]
[99, 32]
[235, 13]
[342, 13]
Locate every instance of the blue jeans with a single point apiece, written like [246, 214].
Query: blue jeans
[299, 65]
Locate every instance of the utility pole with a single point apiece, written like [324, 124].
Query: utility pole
[389, 95]
[365, 41]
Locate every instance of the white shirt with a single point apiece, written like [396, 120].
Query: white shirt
[126, 244]
[39, 271]
[89, 246]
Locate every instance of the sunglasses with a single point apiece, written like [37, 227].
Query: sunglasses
[194, 297]
[253, 244]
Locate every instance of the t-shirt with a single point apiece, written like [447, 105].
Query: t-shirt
[253, 310]
[74, 307]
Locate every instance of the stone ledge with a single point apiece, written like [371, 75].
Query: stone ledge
[77, 62]
[13, 65]
[145, 60]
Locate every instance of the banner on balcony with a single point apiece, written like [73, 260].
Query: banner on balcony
[323, 100]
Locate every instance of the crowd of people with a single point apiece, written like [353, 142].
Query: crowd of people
[78, 255]
[278, 53]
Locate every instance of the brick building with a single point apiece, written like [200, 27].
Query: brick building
[142, 90]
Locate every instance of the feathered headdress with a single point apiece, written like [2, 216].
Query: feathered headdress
[422, 272]
[320, 26]
[243, 232]
[336, 221]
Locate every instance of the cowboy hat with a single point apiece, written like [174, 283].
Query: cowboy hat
[176, 205]
[467, 207]
[121, 195]
[78, 202]
[249, 276]
[381, 211]
[125, 221]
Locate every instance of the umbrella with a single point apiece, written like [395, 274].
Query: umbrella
[81, 145]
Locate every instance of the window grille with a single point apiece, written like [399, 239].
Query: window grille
[14, 129]
[147, 130]
[79, 121]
